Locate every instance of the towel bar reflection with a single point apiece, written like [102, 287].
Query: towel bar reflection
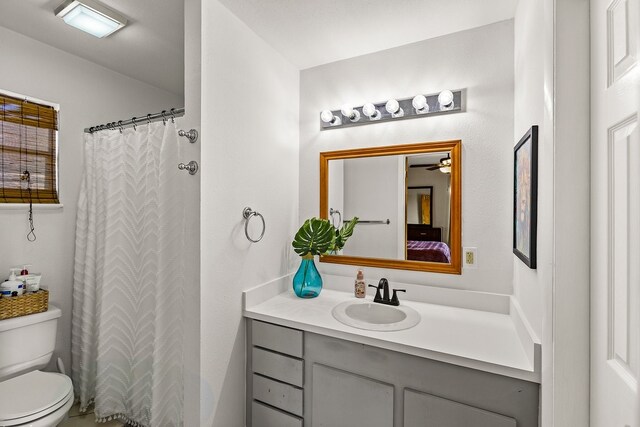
[249, 213]
[364, 221]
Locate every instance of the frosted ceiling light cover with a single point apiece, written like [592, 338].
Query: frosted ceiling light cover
[90, 17]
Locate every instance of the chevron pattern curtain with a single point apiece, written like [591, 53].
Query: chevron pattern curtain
[127, 291]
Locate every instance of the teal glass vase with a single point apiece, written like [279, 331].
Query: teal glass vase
[307, 282]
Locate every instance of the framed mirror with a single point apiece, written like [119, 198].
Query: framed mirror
[408, 200]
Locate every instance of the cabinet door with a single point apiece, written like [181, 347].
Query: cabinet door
[426, 410]
[342, 399]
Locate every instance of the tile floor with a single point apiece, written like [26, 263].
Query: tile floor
[86, 420]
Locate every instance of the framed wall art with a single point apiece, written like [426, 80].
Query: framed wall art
[525, 197]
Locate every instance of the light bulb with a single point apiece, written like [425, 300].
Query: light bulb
[326, 116]
[420, 104]
[393, 107]
[445, 169]
[350, 113]
[445, 99]
[370, 111]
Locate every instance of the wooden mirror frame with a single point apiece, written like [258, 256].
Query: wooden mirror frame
[455, 147]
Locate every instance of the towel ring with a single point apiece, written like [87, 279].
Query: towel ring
[332, 212]
[248, 213]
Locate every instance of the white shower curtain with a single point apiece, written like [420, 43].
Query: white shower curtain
[127, 290]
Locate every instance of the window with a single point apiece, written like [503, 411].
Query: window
[28, 142]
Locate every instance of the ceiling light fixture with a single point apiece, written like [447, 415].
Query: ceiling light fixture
[446, 164]
[91, 17]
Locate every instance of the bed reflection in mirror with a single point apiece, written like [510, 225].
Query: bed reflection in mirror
[403, 202]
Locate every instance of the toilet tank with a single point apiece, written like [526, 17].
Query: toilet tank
[27, 342]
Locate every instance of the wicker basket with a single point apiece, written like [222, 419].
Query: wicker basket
[24, 304]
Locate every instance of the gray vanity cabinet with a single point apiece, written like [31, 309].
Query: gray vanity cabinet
[421, 409]
[340, 398]
[301, 379]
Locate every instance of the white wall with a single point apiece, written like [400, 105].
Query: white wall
[371, 193]
[552, 90]
[249, 158]
[529, 109]
[88, 94]
[336, 190]
[480, 60]
[191, 119]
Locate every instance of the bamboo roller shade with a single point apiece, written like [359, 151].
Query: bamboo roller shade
[28, 133]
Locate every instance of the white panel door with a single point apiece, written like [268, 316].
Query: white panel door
[615, 213]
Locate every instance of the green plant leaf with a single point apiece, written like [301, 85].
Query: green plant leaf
[343, 234]
[315, 237]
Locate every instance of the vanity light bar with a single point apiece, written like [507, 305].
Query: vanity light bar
[395, 109]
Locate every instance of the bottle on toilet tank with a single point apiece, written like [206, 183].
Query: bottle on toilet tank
[12, 287]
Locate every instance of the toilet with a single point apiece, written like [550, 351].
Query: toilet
[28, 396]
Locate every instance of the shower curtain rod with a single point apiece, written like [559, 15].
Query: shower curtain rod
[134, 121]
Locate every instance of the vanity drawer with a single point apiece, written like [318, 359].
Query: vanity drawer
[277, 338]
[265, 416]
[278, 366]
[282, 396]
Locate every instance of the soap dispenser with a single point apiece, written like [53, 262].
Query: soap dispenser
[360, 289]
[12, 287]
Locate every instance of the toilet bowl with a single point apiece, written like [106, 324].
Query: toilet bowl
[28, 396]
[35, 399]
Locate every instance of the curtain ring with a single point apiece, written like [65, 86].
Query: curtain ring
[148, 119]
[164, 118]
[173, 116]
[248, 213]
[133, 120]
[120, 125]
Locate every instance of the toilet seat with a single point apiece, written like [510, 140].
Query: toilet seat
[32, 396]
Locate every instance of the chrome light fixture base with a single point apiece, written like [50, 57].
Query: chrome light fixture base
[377, 112]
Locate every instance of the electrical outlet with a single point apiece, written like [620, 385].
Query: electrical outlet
[470, 258]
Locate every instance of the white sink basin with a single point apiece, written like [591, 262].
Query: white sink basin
[374, 316]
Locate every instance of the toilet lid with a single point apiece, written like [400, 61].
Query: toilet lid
[32, 393]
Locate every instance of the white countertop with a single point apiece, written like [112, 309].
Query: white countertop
[482, 340]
